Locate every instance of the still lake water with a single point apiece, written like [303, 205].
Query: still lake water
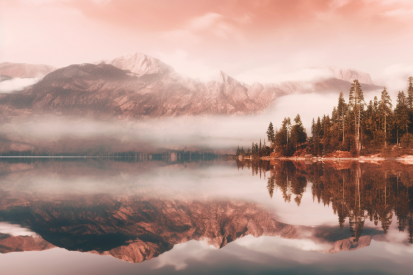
[97, 216]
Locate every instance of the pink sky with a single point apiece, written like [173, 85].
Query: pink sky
[250, 40]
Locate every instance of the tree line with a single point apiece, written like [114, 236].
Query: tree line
[356, 126]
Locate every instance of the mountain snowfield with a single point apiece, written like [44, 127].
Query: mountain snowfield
[139, 64]
[140, 86]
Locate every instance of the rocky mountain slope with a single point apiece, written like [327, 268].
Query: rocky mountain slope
[139, 86]
[23, 70]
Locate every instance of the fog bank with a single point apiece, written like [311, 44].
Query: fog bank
[17, 84]
[214, 132]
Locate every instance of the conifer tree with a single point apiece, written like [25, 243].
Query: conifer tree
[317, 137]
[410, 101]
[298, 134]
[270, 133]
[356, 103]
[401, 115]
[341, 110]
[326, 134]
[282, 136]
[384, 111]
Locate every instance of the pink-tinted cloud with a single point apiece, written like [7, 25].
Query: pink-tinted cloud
[232, 35]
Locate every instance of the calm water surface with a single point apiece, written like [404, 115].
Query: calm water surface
[99, 216]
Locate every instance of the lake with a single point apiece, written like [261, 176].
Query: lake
[204, 216]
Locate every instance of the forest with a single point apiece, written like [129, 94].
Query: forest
[355, 126]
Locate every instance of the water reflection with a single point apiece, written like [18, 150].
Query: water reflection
[137, 211]
[356, 191]
[136, 229]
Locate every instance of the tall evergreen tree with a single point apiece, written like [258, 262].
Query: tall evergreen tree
[270, 133]
[384, 111]
[356, 103]
[410, 101]
[282, 137]
[410, 93]
[401, 115]
[341, 111]
[326, 134]
[298, 134]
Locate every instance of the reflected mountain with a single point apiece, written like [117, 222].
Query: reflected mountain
[356, 191]
[10, 243]
[138, 229]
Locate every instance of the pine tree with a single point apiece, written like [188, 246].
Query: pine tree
[356, 103]
[317, 137]
[270, 133]
[410, 102]
[326, 134]
[384, 111]
[298, 134]
[313, 127]
[401, 115]
[282, 137]
[341, 110]
[410, 94]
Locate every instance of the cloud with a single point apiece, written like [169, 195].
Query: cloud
[232, 36]
[275, 245]
[188, 65]
[399, 12]
[275, 75]
[395, 77]
[181, 254]
[198, 29]
[16, 84]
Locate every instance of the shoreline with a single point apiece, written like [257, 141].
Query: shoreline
[407, 159]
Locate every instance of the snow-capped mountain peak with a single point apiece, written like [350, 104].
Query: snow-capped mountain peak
[139, 64]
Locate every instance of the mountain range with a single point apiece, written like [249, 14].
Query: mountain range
[140, 86]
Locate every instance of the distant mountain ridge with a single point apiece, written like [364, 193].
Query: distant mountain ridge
[350, 75]
[22, 70]
[139, 86]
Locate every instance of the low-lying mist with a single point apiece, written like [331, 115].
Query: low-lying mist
[17, 84]
[223, 133]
